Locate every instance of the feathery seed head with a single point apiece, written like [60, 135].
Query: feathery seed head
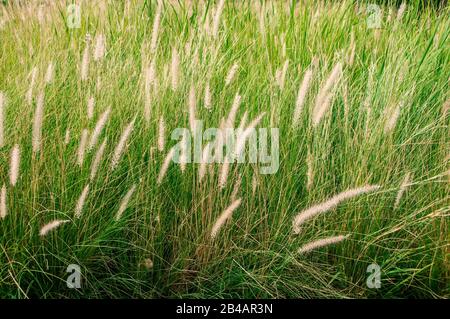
[14, 165]
[3, 209]
[51, 226]
[231, 74]
[37, 123]
[321, 243]
[329, 204]
[224, 217]
[81, 200]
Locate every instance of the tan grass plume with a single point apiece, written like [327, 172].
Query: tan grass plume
[324, 97]
[3, 209]
[240, 143]
[124, 203]
[204, 162]
[231, 74]
[51, 226]
[100, 47]
[301, 96]
[49, 74]
[29, 95]
[150, 79]
[165, 165]
[405, 183]
[81, 200]
[90, 107]
[227, 213]
[393, 116]
[82, 146]
[161, 134]
[229, 123]
[14, 166]
[175, 69]
[216, 20]
[351, 56]
[37, 123]
[282, 75]
[401, 11]
[192, 107]
[321, 243]
[223, 177]
[121, 145]
[184, 153]
[310, 170]
[97, 160]
[2, 119]
[207, 98]
[99, 126]
[85, 61]
[67, 137]
[329, 204]
[155, 29]
[254, 183]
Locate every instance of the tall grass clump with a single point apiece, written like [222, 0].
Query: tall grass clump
[92, 174]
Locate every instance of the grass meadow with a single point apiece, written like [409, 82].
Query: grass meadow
[359, 94]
